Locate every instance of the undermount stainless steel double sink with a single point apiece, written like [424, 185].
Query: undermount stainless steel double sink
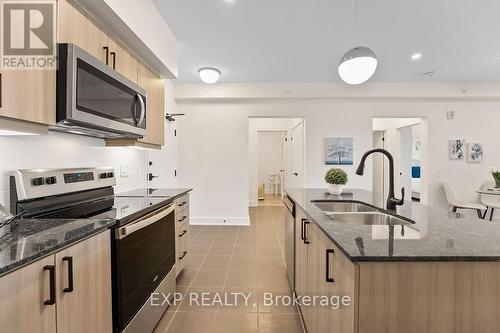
[358, 213]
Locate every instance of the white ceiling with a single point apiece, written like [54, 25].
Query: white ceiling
[303, 40]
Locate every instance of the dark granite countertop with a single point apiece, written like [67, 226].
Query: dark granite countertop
[26, 240]
[437, 235]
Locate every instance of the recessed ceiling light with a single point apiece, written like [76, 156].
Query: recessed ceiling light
[209, 75]
[416, 56]
[230, 1]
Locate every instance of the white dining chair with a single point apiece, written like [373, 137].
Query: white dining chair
[490, 201]
[453, 202]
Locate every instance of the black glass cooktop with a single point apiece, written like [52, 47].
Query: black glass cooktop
[148, 192]
[126, 207]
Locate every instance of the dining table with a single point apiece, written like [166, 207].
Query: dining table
[494, 191]
[490, 191]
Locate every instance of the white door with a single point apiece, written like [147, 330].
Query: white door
[285, 161]
[379, 170]
[297, 158]
[404, 162]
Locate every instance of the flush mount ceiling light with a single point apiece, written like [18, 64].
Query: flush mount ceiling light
[357, 65]
[209, 75]
[416, 56]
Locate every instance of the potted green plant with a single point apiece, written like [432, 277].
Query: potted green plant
[336, 179]
[495, 172]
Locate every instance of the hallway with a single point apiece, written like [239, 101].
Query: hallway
[246, 260]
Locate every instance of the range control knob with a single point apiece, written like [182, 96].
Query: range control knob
[103, 175]
[51, 180]
[110, 175]
[38, 181]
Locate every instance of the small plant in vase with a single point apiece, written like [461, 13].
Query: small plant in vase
[336, 179]
[495, 172]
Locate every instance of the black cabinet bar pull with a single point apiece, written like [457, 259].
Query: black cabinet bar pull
[328, 278]
[183, 218]
[113, 54]
[107, 54]
[306, 223]
[182, 203]
[69, 289]
[302, 229]
[52, 284]
[183, 255]
[183, 233]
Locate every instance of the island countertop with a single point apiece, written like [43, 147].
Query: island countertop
[437, 235]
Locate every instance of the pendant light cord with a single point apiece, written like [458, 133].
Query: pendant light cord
[356, 14]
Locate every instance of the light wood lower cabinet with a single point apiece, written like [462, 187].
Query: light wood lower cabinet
[85, 304]
[182, 230]
[22, 297]
[393, 297]
[26, 304]
[301, 262]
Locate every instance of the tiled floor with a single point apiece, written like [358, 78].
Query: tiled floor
[271, 200]
[229, 260]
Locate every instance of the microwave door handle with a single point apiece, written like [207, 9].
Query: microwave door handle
[143, 110]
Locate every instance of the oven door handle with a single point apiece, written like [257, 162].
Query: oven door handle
[142, 223]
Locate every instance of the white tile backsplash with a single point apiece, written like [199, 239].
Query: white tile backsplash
[60, 150]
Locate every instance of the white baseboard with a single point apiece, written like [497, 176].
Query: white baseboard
[222, 221]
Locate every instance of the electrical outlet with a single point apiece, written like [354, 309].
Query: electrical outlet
[124, 170]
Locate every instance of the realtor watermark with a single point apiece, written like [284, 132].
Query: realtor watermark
[236, 299]
[28, 35]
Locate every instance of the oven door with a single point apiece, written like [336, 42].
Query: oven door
[144, 254]
[93, 95]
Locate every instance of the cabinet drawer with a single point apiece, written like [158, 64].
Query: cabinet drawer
[182, 203]
[182, 216]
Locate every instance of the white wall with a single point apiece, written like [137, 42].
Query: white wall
[217, 127]
[59, 150]
[165, 161]
[270, 157]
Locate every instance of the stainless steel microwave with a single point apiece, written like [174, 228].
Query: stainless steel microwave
[95, 100]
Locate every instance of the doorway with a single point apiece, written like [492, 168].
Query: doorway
[276, 158]
[402, 137]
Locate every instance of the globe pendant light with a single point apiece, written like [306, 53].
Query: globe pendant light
[357, 65]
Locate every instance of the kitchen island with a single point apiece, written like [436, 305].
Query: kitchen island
[432, 271]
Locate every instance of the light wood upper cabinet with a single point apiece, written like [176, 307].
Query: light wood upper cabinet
[22, 297]
[74, 27]
[121, 60]
[86, 307]
[29, 95]
[155, 106]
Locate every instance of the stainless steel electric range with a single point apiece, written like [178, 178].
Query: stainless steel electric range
[143, 239]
